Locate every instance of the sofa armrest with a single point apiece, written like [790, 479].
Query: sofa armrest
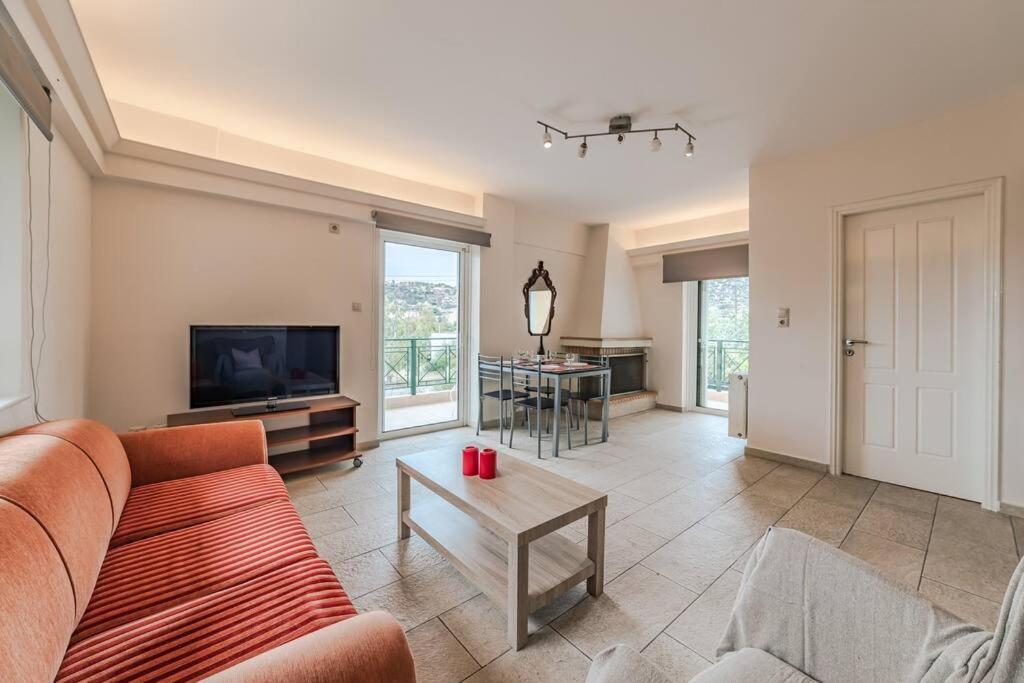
[176, 452]
[368, 648]
[835, 617]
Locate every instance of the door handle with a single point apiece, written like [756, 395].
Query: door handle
[848, 344]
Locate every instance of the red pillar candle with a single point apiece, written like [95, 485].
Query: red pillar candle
[469, 461]
[488, 463]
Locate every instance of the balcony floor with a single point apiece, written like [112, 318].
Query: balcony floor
[419, 415]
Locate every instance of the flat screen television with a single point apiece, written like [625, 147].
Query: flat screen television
[248, 363]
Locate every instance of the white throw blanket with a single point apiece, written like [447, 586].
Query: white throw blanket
[836, 618]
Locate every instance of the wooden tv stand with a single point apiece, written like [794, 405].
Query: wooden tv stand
[330, 435]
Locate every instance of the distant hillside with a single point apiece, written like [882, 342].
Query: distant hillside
[419, 309]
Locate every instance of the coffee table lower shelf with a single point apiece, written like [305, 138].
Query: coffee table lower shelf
[556, 563]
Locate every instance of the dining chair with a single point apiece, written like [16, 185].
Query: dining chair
[592, 391]
[547, 389]
[541, 405]
[495, 369]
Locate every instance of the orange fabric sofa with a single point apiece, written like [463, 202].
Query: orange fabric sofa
[170, 554]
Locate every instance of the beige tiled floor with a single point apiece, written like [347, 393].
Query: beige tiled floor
[684, 508]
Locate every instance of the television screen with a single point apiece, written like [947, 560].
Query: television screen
[243, 363]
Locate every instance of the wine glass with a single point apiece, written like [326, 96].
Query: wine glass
[570, 358]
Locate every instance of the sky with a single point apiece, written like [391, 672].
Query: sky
[404, 262]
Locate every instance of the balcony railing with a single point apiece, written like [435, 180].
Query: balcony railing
[411, 364]
[721, 358]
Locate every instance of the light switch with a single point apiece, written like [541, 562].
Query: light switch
[357, 306]
[782, 315]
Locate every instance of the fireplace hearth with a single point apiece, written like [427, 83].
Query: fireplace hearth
[627, 359]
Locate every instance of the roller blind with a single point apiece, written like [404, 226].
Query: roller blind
[22, 75]
[420, 226]
[706, 264]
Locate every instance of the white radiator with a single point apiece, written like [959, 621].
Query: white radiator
[738, 406]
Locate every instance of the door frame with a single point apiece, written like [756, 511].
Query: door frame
[697, 378]
[991, 190]
[383, 236]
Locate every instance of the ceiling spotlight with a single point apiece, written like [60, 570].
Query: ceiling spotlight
[689, 148]
[547, 139]
[655, 142]
[621, 138]
[583, 149]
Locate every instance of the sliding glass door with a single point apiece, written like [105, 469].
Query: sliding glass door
[422, 333]
[723, 341]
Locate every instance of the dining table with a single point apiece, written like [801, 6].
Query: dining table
[555, 371]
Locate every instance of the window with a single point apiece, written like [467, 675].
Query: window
[723, 344]
[12, 227]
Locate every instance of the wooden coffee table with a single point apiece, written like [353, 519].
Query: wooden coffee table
[498, 532]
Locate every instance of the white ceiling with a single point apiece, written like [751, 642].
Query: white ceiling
[447, 92]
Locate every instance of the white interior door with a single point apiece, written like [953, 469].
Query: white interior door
[915, 392]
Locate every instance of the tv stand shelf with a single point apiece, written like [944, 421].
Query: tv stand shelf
[329, 436]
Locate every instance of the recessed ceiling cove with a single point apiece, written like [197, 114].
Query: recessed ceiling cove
[449, 93]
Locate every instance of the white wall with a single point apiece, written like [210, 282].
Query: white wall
[620, 307]
[708, 226]
[12, 233]
[611, 307]
[63, 368]
[520, 237]
[790, 204]
[662, 309]
[163, 259]
[162, 130]
[562, 245]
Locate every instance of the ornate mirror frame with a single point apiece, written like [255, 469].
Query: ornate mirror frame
[539, 273]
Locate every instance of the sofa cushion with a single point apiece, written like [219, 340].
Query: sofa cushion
[36, 601]
[169, 505]
[103, 448]
[751, 664]
[54, 482]
[147, 576]
[208, 634]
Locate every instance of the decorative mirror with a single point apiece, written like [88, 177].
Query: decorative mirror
[539, 294]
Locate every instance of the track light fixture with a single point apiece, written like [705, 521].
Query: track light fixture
[619, 126]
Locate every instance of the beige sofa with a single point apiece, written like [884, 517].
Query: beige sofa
[809, 612]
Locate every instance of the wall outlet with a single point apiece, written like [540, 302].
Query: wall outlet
[334, 229]
[782, 315]
[357, 306]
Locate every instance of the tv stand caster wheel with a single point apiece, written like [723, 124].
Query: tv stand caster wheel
[358, 462]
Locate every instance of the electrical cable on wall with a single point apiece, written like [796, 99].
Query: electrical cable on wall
[46, 276]
[35, 360]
